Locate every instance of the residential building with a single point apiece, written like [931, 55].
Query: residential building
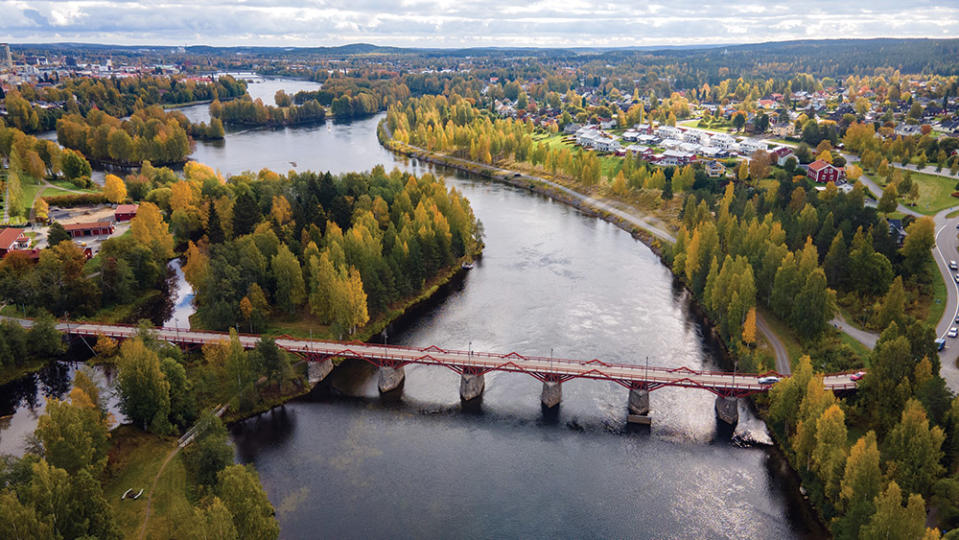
[722, 140]
[125, 212]
[781, 154]
[821, 172]
[96, 228]
[748, 146]
[12, 239]
[715, 169]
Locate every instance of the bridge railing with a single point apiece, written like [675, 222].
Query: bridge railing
[512, 361]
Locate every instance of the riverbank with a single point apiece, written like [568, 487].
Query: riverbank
[655, 237]
[660, 242]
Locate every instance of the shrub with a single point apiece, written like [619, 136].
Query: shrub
[75, 199]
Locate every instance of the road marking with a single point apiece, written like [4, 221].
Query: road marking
[954, 283]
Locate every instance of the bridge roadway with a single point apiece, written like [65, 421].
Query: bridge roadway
[476, 363]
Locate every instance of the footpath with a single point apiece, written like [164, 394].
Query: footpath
[627, 218]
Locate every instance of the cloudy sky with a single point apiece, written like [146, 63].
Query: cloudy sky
[458, 23]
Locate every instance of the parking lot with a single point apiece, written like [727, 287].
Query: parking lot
[80, 214]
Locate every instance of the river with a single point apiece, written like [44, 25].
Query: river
[345, 462]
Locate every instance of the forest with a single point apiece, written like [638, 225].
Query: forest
[150, 134]
[33, 109]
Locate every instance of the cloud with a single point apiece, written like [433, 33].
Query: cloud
[466, 23]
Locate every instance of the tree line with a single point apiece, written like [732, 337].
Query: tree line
[342, 249]
[149, 134]
[247, 112]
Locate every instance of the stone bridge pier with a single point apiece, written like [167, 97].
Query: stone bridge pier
[471, 385]
[639, 404]
[727, 409]
[390, 378]
[552, 393]
[317, 370]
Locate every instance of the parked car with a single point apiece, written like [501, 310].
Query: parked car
[953, 332]
[940, 344]
[857, 376]
[768, 380]
[953, 265]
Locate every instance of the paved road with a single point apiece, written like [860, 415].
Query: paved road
[782, 355]
[865, 337]
[947, 248]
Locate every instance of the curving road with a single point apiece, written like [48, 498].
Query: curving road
[945, 250]
[782, 355]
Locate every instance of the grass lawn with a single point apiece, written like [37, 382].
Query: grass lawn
[135, 458]
[952, 214]
[860, 349]
[53, 192]
[694, 123]
[30, 190]
[935, 193]
[939, 295]
[67, 185]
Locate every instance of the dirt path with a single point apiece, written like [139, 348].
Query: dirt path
[146, 516]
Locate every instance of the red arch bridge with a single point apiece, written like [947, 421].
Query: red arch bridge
[473, 365]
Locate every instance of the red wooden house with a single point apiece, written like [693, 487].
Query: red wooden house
[89, 229]
[823, 172]
[125, 212]
[11, 239]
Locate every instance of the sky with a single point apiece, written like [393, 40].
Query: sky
[468, 23]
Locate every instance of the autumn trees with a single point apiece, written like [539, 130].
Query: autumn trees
[343, 248]
[149, 134]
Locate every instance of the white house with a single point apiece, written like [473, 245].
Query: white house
[669, 132]
[605, 144]
[671, 143]
[748, 146]
[722, 140]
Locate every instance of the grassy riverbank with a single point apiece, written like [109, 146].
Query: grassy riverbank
[135, 458]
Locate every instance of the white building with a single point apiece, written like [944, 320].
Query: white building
[748, 146]
[722, 140]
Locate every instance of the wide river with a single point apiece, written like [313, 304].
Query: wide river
[347, 463]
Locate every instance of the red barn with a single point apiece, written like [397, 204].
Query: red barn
[823, 172]
[89, 229]
[125, 212]
[11, 239]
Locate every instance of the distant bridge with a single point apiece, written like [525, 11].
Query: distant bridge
[473, 365]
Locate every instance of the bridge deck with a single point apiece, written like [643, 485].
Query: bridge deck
[475, 362]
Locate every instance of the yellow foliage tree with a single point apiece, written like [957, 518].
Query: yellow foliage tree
[41, 210]
[197, 264]
[743, 172]
[825, 155]
[181, 196]
[105, 346]
[853, 172]
[619, 184]
[114, 189]
[198, 172]
[151, 230]
[749, 327]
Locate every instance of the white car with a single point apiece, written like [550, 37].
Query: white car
[953, 265]
[953, 332]
[768, 380]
